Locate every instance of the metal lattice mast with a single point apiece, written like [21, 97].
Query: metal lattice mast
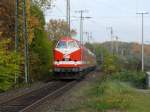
[16, 25]
[68, 16]
[81, 23]
[16, 30]
[25, 42]
[142, 47]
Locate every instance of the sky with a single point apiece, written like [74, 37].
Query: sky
[118, 14]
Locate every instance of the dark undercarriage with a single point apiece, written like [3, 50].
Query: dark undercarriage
[71, 73]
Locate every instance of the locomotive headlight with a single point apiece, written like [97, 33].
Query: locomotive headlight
[75, 63]
[57, 62]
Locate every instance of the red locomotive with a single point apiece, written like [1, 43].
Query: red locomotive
[71, 57]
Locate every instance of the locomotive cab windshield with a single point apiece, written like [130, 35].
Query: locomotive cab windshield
[65, 45]
[72, 44]
[61, 44]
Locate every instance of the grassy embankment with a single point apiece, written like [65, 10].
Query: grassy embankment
[117, 93]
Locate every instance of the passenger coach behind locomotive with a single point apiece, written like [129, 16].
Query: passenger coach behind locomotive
[72, 57]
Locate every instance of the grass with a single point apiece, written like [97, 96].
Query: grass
[119, 96]
[112, 96]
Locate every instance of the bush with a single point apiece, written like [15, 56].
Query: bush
[134, 77]
[110, 64]
[9, 66]
[110, 95]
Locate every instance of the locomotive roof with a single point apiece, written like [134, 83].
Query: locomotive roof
[71, 39]
[68, 39]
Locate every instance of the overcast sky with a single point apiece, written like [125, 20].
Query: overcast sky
[120, 14]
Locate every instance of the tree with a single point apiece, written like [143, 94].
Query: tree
[43, 4]
[41, 55]
[57, 29]
[7, 19]
[39, 45]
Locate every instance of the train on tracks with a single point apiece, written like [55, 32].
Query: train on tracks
[72, 59]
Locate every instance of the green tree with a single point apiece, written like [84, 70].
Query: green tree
[41, 54]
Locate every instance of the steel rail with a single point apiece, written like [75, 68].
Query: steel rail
[51, 96]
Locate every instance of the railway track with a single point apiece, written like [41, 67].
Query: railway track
[28, 102]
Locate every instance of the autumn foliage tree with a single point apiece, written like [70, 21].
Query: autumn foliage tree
[10, 61]
[43, 4]
[40, 50]
[7, 19]
[57, 29]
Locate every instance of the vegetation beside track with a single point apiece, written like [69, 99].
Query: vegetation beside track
[9, 65]
[117, 96]
[40, 49]
[113, 94]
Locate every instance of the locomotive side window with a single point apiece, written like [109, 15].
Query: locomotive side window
[72, 44]
[62, 44]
